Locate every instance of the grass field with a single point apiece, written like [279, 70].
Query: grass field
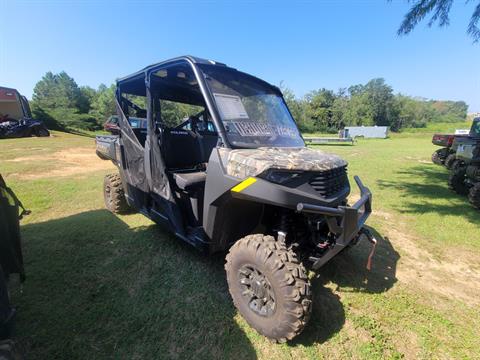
[105, 286]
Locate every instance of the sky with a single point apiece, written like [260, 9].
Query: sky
[305, 45]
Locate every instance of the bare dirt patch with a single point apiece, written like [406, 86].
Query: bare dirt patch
[454, 276]
[67, 162]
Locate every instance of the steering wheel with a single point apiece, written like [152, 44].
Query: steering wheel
[193, 121]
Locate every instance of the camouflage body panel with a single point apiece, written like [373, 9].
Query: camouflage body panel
[242, 163]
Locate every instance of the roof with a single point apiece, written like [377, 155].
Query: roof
[189, 58]
[8, 94]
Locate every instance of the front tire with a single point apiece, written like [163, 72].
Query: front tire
[474, 195]
[449, 160]
[456, 181]
[269, 286]
[114, 195]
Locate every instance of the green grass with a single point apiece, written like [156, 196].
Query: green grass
[439, 127]
[105, 286]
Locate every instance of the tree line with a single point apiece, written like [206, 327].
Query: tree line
[62, 104]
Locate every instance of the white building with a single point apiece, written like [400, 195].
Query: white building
[379, 132]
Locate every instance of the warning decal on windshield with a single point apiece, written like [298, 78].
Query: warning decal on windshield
[251, 128]
[230, 106]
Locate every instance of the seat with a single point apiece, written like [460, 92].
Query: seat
[190, 180]
[208, 143]
[182, 149]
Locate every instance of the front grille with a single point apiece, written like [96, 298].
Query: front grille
[328, 183]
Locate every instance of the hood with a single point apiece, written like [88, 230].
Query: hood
[243, 163]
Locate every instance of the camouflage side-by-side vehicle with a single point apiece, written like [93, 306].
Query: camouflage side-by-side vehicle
[450, 143]
[234, 176]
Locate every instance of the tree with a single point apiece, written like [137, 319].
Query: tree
[297, 109]
[59, 100]
[103, 105]
[87, 95]
[440, 10]
[319, 108]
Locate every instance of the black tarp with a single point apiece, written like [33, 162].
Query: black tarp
[11, 258]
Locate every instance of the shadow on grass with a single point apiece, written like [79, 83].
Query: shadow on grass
[97, 288]
[423, 186]
[347, 272]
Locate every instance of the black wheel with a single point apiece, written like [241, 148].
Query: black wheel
[474, 195]
[42, 131]
[269, 286]
[438, 157]
[456, 181]
[456, 164]
[449, 161]
[113, 194]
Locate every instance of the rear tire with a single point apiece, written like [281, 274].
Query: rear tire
[474, 195]
[269, 286]
[114, 195]
[449, 161]
[456, 181]
[437, 157]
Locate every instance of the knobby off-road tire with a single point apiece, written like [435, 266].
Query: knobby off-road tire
[456, 164]
[42, 132]
[449, 161]
[269, 263]
[437, 157]
[456, 181]
[114, 195]
[474, 195]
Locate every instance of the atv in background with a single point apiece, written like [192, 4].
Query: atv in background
[16, 117]
[234, 177]
[450, 142]
[465, 178]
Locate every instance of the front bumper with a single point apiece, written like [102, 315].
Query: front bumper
[346, 222]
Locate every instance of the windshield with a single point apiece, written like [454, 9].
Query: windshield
[253, 113]
[475, 131]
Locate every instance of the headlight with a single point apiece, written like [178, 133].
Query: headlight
[281, 177]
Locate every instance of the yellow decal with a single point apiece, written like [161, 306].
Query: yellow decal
[244, 184]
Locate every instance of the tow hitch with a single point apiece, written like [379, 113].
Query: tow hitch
[365, 233]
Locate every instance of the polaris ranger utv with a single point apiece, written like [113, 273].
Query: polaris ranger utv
[233, 176]
[465, 178]
[450, 143]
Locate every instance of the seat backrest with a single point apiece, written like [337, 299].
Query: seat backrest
[209, 142]
[141, 135]
[181, 149]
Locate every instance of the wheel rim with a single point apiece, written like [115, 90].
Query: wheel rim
[257, 290]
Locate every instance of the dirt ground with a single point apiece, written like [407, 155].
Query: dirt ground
[73, 161]
[456, 276]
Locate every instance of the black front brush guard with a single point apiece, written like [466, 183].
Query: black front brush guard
[346, 222]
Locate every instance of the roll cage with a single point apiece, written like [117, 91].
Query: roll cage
[140, 83]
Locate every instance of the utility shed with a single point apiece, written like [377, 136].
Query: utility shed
[380, 132]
